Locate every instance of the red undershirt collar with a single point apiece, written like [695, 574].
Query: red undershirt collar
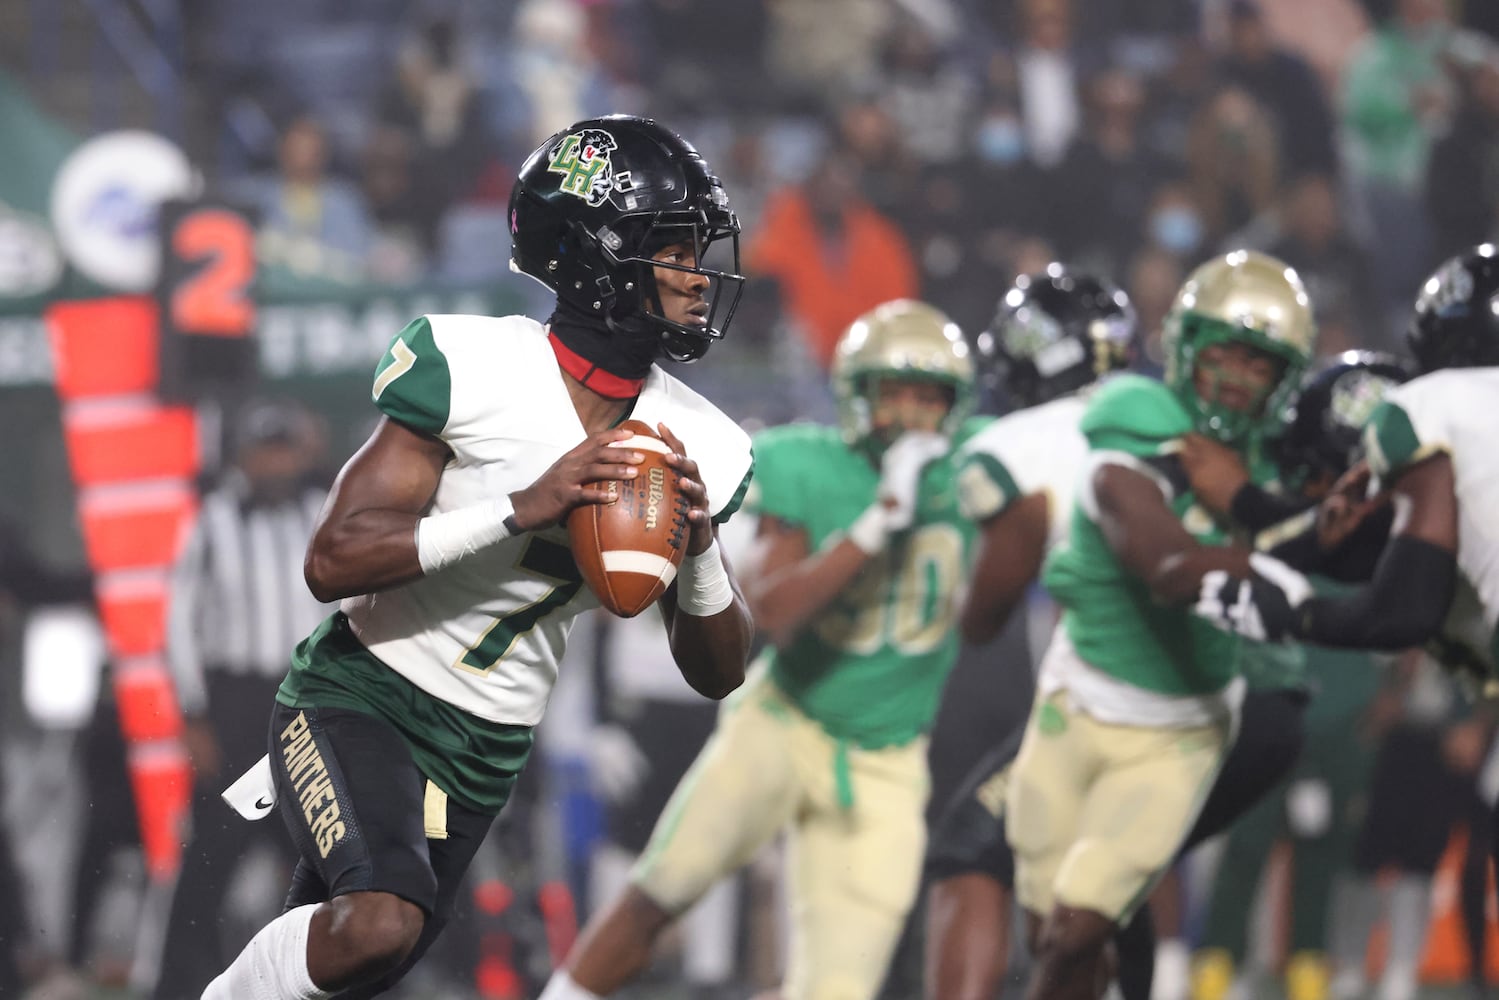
[591, 375]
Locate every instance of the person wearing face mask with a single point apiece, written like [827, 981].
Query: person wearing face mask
[1174, 224]
[237, 604]
[1000, 140]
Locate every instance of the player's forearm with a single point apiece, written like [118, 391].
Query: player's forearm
[988, 606]
[1148, 540]
[984, 615]
[785, 601]
[362, 553]
[711, 651]
[1012, 547]
[1175, 577]
[1402, 606]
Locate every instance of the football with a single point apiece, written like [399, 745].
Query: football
[628, 549]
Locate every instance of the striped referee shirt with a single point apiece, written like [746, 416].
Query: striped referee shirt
[238, 601]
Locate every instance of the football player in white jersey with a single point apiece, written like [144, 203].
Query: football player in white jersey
[1430, 448]
[1054, 335]
[407, 715]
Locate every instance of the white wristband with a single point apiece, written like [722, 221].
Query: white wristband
[443, 539]
[703, 586]
[871, 530]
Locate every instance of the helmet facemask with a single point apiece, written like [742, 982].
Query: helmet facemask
[1231, 425]
[867, 404]
[903, 340]
[1249, 299]
[592, 205]
[632, 298]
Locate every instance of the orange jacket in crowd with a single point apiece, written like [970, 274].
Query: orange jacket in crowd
[827, 287]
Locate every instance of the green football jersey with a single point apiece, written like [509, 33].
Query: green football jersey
[1112, 620]
[870, 667]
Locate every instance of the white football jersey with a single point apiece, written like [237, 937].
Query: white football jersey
[1453, 411]
[486, 634]
[1030, 451]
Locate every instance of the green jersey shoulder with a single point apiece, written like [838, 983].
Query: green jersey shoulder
[1135, 415]
[1420, 418]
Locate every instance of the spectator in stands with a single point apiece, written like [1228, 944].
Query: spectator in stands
[1048, 76]
[435, 99]
[834, 256]
[1462, 186]
[1152, 280]
[1234, 162]
[238, 603]
[928, 94]
[1333, 266]
[818, 48]
[996, 194]
[303, 203]
[1099, 194]
[404, 213]
[1285, 85]
[1174, 222]
[688, 77]
[546, 73]
[1396, 99]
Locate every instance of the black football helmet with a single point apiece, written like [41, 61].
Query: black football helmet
[1455, 323]
[592, 205]
[1324, 428]
[1055, 332]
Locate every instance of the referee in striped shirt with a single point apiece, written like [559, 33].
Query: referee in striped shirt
[238, 607]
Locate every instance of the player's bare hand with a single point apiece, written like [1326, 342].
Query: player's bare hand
[577, 478]
[1215, 470]
[1345, 507]
[690, 484]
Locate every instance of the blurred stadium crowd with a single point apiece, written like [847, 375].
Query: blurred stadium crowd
[873, 149]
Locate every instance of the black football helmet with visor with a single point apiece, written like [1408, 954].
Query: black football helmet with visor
[1055, 332]
[1456, 320]
[597, 200]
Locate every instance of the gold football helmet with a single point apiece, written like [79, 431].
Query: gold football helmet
[1246, 297]
[900, 339]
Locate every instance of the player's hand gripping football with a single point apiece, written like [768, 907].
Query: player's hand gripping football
[690, 484]
[900, 474]
[575, 479]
